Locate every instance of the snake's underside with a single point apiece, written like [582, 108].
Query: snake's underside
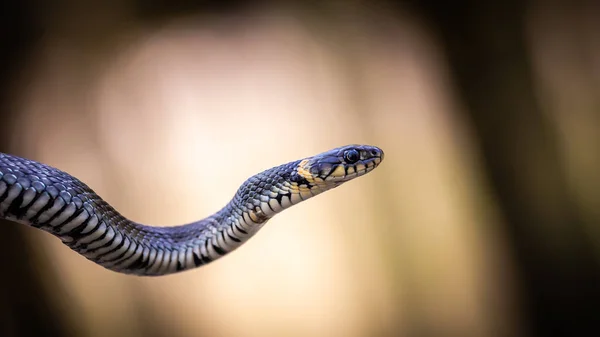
[54, 201]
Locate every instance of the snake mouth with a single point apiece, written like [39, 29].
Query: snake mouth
[343, 173]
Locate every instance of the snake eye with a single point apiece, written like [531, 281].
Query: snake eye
[351, 156]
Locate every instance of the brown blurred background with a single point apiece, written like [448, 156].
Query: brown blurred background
[482, 221]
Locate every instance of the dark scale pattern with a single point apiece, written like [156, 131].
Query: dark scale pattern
[52, 200]
[49, 199]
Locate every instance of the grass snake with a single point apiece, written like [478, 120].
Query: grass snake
[49, 199]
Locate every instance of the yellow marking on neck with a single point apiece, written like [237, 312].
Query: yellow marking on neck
[303, 172]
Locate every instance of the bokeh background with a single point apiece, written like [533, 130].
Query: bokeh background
[481, 221]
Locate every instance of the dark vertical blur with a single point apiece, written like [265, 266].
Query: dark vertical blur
[489, 57]
[25, 307]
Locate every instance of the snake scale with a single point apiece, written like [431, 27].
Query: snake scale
[46, 198]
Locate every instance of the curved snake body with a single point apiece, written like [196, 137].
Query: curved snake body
[54, 201]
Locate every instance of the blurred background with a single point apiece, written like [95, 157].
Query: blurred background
[482, 220]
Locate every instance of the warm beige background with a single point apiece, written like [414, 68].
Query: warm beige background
[165, 123]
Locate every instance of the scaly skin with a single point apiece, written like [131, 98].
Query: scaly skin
[51, 200]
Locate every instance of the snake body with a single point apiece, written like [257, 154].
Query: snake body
[46, 198]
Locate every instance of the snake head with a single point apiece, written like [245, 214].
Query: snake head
[341, 164]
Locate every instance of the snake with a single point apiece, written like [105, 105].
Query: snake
[54, 201]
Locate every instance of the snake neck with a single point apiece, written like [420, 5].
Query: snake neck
[257, 200]
[264, 195]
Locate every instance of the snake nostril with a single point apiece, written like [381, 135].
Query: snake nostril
[373, 152]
